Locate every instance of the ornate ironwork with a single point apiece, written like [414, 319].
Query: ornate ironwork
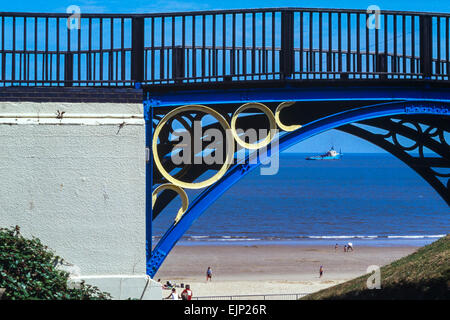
[424, 123]
[425, 132]
[183, 49]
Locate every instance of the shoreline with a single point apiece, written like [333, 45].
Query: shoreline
[270, 269]
[357, 242]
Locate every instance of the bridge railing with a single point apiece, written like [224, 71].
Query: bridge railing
[222, 46]
[276, 296]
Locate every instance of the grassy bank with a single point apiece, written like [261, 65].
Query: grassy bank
[425, 274]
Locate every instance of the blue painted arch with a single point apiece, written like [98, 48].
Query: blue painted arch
[238, 171]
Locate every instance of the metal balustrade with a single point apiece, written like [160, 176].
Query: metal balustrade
[222, 46]
[276, 296]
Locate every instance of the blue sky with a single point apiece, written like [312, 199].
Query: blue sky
[318, 143]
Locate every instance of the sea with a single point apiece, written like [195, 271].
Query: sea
[366, 199]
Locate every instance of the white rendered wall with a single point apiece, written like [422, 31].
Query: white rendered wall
[77, 183]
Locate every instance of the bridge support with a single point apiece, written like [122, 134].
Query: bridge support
[68, 69]
[426, 46]
[435, 115]
[287, 44]
[432, 138]
[137, 50]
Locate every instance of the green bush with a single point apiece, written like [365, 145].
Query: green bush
[28, 271]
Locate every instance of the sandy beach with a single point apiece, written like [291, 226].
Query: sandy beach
[269, 269]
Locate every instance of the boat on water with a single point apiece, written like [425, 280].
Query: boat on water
[329, 155]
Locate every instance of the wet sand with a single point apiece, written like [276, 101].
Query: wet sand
[270, 269]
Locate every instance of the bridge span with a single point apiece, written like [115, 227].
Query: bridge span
[381, 76]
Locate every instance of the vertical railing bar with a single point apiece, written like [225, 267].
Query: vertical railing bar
[203, 45]
[224, 43]
[330, 45]
[358, 43]
[273, 43]
[367, 49]
[152, 44]
[91, 63]
[395, 43]
[320, 43]
[25, 49]
[46, 49]
[214, 57]
[47, 55]
[233, 50]
[3, 49]
[122, 50]
[111, 45]
[188, 59]
[404, 43]
[94, 74]
[259, 71]
[51, 69]
[210, 65]
[386, 48]
[447, 45]
[300, 56]
[13, 62]
[162, 53]
[79, 52]
[239, 61]
[35, 48]
[339, 43]
[194, 55]
[173, 47]
[168, 75]
[438, 47]
[68, 61]
[311, 67]
[263, 44]
[377, 51]
[244, 50]
[101, 51]
[349, 42]
[253, 43]
[117, 67]
[413, 51]
[183, 44]
[26, 56]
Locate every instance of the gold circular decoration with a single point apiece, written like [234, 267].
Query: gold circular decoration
[229, 146]
[181, 193]
[280, 107]
[267, 112]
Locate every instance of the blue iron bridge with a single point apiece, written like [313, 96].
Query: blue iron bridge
[383, 76]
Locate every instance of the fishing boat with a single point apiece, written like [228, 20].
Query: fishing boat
[329, 155]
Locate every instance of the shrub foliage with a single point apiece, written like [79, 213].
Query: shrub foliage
[28, 270]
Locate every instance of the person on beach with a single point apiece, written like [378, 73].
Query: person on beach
[187, 293]
[345, 248]
[320, 271]
[336, 247]
[173, 295]
[349, 246]
[208, 274]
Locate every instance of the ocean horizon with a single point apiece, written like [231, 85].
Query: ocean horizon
[370, 199]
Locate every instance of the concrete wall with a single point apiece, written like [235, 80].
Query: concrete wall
[73, 174]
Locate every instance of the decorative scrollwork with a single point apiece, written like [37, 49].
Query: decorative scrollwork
[423, 131]
[163, 171]
[282, 126]
[267, 112]
[181, 193]
[165, 125]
